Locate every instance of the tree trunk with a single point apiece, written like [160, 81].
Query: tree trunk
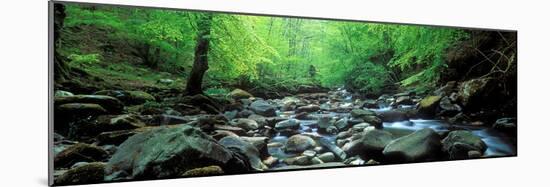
[200, 65]
[61, 70]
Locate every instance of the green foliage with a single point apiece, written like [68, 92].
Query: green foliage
[84, 59]
[263, 52]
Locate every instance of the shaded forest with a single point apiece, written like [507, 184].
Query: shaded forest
[270, 93]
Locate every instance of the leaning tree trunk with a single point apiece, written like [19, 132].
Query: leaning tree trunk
[61, 70]
[200, 65]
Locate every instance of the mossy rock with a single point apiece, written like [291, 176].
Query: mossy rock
[88, 173]
[79, 152]
[240, 94]
[428, 106]
[204, 171]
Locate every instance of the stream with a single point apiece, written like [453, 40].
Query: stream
[498, 144]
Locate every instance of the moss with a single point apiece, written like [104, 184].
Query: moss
[204, 171]
[429, 101]
[89, 173]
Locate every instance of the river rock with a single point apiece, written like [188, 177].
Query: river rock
[114, 137]
[370, 103]
[421, 145]
[369, 145]
[260, 143]
[427, 106]
[263, 108]
[458, 143]
[299, 143]
[373, 120]
[393, 116]
[327, 157]
[247, 124]
[238, 145]
[84, 174]
[358, 113]
[79, 110]
[204, 171]
[61, 93]
[341, 124]
[506, 125]
[403, 100]
[111, 104]
[79, 152]
[447, 108]
[240, 94]
[308, 108]
[288, 124]
[169, 152]
[323, 165]
[128, 97]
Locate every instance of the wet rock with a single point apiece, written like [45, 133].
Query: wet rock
[245, 113]
[403, 100]
[303, 116]
[111, 104]
[373, 120]
[309, 153]
[371, 144]
[203, 102]
[163, 119]
[260, 143]
[370, 103]
[246, 124]
[128, 97]
[421, 145]
[118, 122]
[79, 152]
[299, 160]
[263, 108]
[308, 108]
[83, 174]
[299, 143]
[238, 145]
[342, 124]
[219, 134]
[288, 124]
[79, 110]
[339, 153]
[316, 160]
[458, 143]
[169, 152]
[447, 108]
[427, 106]
[237, 130]
[474, 154]
[270, 161]
[506, 125]
[114, 137]
[61, 93]
[358, 113]
[240, 94]
[204, 171]
[372, 162]
[327, 157]
[231, 114]
[165, 81]
[393, 116]
[323, 165]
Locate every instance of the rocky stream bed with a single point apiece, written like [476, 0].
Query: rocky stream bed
[116, 135]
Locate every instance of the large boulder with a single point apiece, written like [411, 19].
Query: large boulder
[422, 145]
[373, 120]
[236, 144]
[128, 97]
[79, 110]
[240, 94]
[79, 152]
[447, 108]
[299, 143]
[393, 116]
[475, 92]
[84, 174]
[371, 144]
[169, 152]
[458, 143]
[506, 125]
[428, 105]
[263, 108]
[111, 104]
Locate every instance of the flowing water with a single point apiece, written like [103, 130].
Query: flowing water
[498, 144]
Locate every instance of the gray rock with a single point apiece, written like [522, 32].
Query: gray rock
[61, 93]
[327, 157]
[238, 145]
[83, 174]
[308, 108]
[111, 104]
[358, 113]
[263, 108]
[458, 143]
[371, 144]
[168, 152]
[79, 152]
[244, 123]
[421, 145]
[299, 143]
[288, 124]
